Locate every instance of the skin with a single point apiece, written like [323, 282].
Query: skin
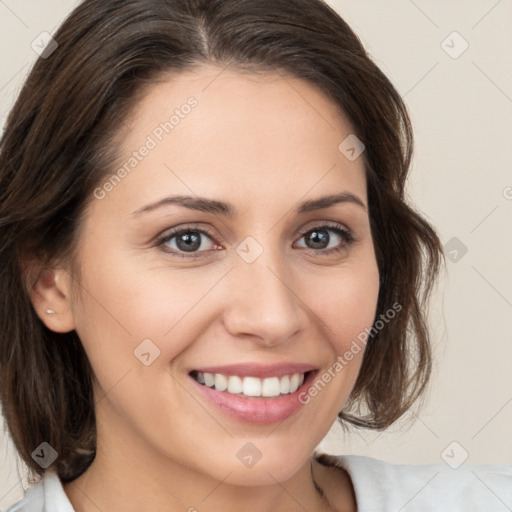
[264, 143]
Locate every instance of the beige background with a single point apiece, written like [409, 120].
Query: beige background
[461, 110]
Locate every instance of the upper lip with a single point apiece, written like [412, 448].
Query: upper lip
[258, 370]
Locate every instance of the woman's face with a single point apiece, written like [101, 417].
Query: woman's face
[240, 287]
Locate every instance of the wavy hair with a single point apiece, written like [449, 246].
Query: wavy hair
[58, 145]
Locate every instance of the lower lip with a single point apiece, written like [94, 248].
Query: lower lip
[257, 409]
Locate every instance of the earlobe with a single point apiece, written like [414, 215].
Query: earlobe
[50, 295]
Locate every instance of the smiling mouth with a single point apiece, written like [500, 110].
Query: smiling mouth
[251, 387]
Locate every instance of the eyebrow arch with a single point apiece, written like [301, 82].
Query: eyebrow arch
[204, 204]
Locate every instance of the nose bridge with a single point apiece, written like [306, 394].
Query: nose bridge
[261, 298]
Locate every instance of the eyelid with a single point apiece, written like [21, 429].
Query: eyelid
[323, 224]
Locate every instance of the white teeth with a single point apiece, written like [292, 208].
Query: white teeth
[271, 387]
[235, 385]
[221, 383]
[294, 382]
[208, 379]
[252, 386]
[285, 385]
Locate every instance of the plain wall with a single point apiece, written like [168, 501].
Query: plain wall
[461, 179]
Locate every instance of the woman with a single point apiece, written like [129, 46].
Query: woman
[210, 259]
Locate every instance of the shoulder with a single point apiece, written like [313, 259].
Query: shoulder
[382, 486]
[47, 495]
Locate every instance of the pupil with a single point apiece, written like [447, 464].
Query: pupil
[191, 242]
[319, 237]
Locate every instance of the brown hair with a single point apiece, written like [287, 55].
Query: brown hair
[58, 144]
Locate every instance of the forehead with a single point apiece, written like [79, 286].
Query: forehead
[214, 131]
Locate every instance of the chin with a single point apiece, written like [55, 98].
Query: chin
[254, 466]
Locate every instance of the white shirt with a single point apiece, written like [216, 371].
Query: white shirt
[379, 487]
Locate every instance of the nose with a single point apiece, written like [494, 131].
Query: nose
[261, 301]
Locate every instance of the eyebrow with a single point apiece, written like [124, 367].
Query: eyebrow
[204, 204]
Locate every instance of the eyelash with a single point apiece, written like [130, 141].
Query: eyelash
[347, 236]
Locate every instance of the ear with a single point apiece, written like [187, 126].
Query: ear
[49, 290]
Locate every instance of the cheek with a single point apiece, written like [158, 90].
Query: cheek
[122, 308]
[345, 302]
[344, 305]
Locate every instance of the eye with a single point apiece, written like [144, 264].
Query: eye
[189, 240]
[319, 238]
